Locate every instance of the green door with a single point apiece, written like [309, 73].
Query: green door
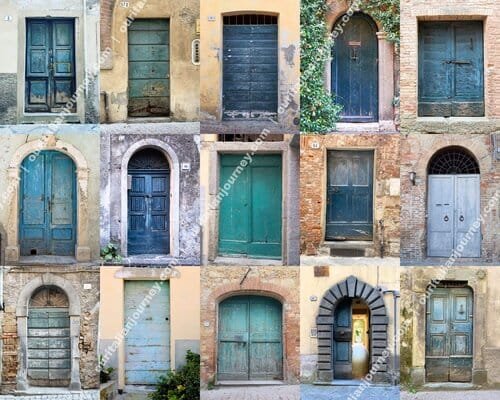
[250, 339]
[250, 210]
[148, 68]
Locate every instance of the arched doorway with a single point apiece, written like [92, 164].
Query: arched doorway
[453, 224]
[355, 68]
[250, 345]
[449, 333]
[49, 341]
[47, 205]
[148, 203]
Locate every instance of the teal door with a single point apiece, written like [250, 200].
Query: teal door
[250, 339]
[449, 340]
[349, 213]
[342, 340]
[147, 345]
[250, 212]
[48, 205]
[148, 68]
[49, 346]
[451, 69]
[50, 64]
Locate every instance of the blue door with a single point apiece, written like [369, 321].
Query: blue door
[48, 205]
[342, 340]
[147, 344]
[349, 214]
[149, 203]
[451, 69]
[355, 69]
[250, 68]
[50, 64]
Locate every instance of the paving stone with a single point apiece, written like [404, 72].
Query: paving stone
[290, 392]
[311, 392]
[453, 395]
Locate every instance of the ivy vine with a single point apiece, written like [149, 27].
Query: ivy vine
[319, 112]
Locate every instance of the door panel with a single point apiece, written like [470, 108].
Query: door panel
[250, 71]
[250, 339]
[449, 335]
[349, 195]
[342, 340]
[149, 68]
[250, 215]
[147, 345]
[451, 70]
[355, 70]
[468, 212]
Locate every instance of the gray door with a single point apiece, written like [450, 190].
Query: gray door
[453, 209]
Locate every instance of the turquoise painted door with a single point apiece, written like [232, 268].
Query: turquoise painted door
[147, 345]
[349, 213]
[149, 68]
[250, 214]
[451, 69]
[49, 345]
[342, 340]
[50, 64]
[355, 69]
[449, 340]
[250, 339]
[48, 205]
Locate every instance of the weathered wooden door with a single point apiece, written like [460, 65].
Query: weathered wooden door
[449, 339]
[149, 68]
[355, 69]
[250, 212]
[50, 64]
[147, 344]
[349, 213]
[49, 343]
[250, 67]
[48, 205]
[451, 69]
[454, 208]
[342, 340]
[149, 203]
[250, 339]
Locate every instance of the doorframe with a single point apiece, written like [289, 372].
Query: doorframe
[22, 310]
[48, 142]
[173, 161]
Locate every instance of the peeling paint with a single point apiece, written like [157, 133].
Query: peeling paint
[289, 53]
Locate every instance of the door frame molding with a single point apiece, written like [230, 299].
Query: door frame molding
[22, 309]
[48, 142]
[173, 161]
[353, 288]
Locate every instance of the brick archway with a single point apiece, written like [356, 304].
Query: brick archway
[352, 288]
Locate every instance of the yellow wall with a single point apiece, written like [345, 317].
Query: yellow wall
[184, 306]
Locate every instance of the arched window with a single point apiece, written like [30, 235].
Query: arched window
[453, 161]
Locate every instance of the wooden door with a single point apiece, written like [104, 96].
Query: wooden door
[250, 214]
[451, 69]
[149, 68]
[355, 69]
[250, 67]
[349, 213]
[50, 64]
[48, 205]
[342, 340]
[147, 345]
[449, 340]
[250, 339]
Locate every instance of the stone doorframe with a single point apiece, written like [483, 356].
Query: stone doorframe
[173, 161]
[385, 65]
[33, 148]
[352, 288]
[22, 309]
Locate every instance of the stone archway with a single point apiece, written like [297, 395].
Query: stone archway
[48, 142]
[352, 288]
[22, 310]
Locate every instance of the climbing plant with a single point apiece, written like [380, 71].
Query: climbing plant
[319, 112]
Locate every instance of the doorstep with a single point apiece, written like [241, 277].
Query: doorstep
[53, 391]
[250, 383]
[244, 261]
[450, 386]
[351, 382]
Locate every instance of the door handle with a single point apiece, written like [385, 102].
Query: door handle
[461, 218]
[446, 218]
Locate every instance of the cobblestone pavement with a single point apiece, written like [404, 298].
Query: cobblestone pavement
[253, 393]
[455, 395]
[312, 392]
[85, 395]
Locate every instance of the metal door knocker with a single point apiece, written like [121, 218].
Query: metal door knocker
[462, 218]
[446, 219]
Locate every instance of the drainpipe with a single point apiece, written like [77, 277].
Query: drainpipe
[382, 235]
[395, 296]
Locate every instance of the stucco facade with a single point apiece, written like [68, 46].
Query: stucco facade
[13, 40]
